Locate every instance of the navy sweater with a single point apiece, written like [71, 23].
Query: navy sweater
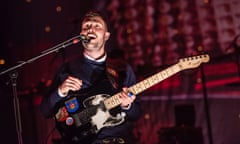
[95, 81]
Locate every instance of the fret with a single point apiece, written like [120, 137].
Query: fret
[112, 102]
[164, 74]
[132, 89]
[156, 78]
[117, 100]
[160, 78]
[138, 87]
[146, 83]
[169, 72]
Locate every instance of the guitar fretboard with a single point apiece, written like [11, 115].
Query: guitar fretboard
[144, 84]
[185, 63]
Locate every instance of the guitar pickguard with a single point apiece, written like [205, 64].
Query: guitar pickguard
[102, 118]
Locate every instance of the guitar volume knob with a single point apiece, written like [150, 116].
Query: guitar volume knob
[69, 121]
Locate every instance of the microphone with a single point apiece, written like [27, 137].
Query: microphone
[69, 42]
[82, 38]
[85, 38]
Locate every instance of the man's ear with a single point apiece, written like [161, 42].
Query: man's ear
[107, 36]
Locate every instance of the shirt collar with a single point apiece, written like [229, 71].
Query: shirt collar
[102, 59]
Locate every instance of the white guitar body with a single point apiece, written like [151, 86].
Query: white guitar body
[102, 118]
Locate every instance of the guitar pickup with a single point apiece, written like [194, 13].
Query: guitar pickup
[83, 117]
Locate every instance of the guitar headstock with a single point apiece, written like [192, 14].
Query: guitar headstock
[194, 61]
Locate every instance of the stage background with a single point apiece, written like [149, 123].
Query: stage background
[153, 34]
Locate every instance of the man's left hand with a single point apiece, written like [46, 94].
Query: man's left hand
[126, 100]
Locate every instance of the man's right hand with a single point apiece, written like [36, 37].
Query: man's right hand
[71, 83]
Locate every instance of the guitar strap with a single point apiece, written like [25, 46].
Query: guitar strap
[115, 71]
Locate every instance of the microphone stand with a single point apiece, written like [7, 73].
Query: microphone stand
[13, 76]
[206, 106]
[17, 114]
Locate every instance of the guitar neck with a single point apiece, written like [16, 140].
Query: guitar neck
[144, 84]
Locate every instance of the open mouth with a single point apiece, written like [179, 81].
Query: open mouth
[91, 36]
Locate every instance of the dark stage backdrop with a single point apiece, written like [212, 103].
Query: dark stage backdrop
[153, 34]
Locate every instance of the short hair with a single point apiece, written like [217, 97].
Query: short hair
[93, 13]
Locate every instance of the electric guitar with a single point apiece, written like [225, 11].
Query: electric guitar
[96, 113]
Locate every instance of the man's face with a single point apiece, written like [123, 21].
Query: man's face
[95, 28]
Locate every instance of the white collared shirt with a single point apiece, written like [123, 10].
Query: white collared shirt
[98, 60]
